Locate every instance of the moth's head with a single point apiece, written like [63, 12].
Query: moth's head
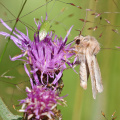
[78, 39]
[88, 42]
[81, 40]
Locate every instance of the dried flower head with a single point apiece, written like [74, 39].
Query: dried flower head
[46, 58]
[41, 104]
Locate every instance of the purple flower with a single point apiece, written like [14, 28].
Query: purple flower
[41, 103]
[46, 58]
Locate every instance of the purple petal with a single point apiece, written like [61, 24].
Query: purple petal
[5, 25]
[42, 78]
[17, 57]
[67, 34]
[57, 77]
[35, 22]
[4, 34]
[46, 17]
[26, 70]
[22, 34]
[36, 78]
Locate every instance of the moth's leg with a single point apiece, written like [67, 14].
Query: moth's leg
[76, 61]
[98, 77]
[76, 64]
[72, 57]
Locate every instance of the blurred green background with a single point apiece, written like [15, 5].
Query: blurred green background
[81, 105]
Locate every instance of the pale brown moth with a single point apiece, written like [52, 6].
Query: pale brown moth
[86, 49]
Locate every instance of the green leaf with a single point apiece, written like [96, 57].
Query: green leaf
[6, 114]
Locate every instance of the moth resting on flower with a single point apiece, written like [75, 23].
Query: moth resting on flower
[86, 49]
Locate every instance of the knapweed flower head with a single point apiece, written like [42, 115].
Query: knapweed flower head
[41, 104]
[46, 58]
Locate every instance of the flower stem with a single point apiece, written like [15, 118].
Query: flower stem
[12, 31]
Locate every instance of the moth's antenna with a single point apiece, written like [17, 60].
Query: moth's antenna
[84, 23]
[82, 28]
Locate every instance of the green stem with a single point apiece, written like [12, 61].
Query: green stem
[12, 31]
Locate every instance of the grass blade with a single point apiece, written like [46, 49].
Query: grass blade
[12, 31]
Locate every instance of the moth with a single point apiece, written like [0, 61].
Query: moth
[86, 49]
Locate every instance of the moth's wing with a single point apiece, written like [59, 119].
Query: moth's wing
[90, 63]
[98, 77]
[84, 73]
[88, 73]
